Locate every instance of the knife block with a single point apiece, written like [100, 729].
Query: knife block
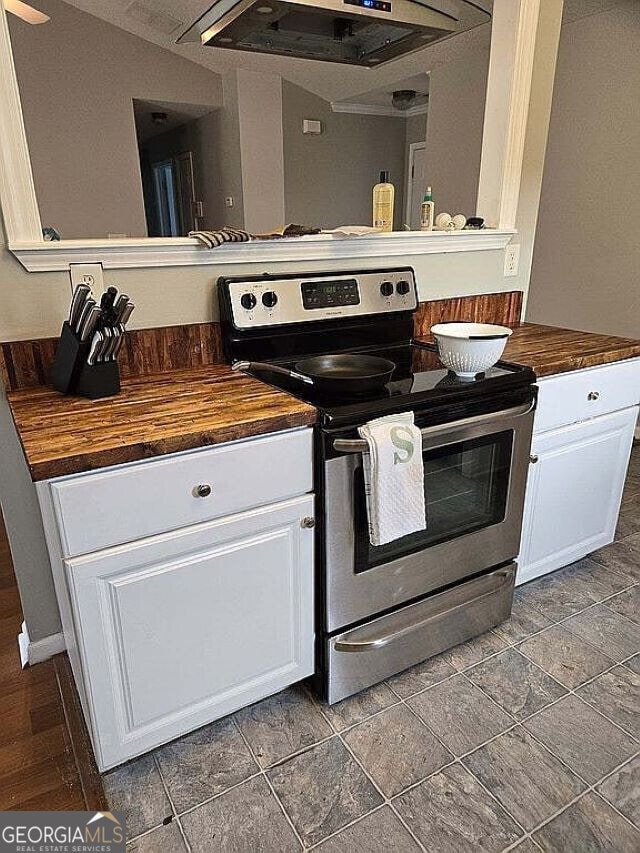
[71, 374]
[98, 380]
[70, 356]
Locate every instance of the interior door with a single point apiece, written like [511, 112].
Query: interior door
[187, 204]
[166, 198]
[417, 183]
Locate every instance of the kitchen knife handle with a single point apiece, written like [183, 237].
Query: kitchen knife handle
[126, 314]
[96, 345]
[121, 304]
[80, 295]
[90, 323]
[87, 308]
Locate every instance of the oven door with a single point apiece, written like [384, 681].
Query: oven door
[475, 476]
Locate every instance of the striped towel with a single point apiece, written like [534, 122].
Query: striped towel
[213, 239]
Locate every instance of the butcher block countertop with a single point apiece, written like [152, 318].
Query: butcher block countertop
[153, 415]
[549, 350]
[200, 406]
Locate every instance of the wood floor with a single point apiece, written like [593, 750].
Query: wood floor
[38, 768]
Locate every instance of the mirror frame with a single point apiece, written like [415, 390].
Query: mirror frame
[513, 41]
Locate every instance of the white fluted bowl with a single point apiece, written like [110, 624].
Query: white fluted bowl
[470, 348]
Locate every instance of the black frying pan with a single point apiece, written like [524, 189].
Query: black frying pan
[331, 374]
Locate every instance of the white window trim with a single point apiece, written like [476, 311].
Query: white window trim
[509, 85]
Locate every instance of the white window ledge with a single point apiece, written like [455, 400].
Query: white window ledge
[164, 252]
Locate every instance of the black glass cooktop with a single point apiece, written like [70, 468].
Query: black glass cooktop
[419, 380]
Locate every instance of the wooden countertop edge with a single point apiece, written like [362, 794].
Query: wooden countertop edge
[138, 452]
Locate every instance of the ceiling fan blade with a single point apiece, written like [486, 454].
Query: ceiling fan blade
[25, 12]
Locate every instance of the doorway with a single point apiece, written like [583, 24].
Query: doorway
[173, 208]
[172, 150]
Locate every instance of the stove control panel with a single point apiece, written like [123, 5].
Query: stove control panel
[271, 301]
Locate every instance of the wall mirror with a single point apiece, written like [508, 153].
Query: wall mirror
[131, 139]
[153, 120]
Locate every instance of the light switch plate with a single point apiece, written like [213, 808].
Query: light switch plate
[90, 274]
[511, 259]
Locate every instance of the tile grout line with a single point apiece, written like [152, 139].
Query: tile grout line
[573, 692]
[387, 800]
[342, 829]
[588, 790]
[171, 803]
[263, 773]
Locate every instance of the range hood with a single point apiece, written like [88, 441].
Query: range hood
[356, 32]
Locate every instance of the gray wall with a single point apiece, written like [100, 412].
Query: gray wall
[329, 179]
[586, 261]
[261, 144]
[457, 93]
[78, 76]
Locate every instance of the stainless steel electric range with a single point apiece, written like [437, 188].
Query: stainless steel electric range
[382, 609]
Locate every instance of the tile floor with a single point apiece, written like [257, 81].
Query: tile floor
[526, 738]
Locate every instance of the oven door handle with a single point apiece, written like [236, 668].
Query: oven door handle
[359, 445]
[359, 640]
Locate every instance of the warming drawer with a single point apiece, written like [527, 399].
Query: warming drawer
[382, 647]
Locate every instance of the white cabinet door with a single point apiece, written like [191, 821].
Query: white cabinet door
[574, 491]
[180, 629]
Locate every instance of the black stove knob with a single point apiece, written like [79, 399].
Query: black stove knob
[386, 288]
[403, 287]
[248, 301]
[269, 299]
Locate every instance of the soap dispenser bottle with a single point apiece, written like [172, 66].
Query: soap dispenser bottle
[383, 200]
[427, 212]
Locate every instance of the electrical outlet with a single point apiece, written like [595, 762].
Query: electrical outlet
[511, 259]
[228, 201]
[90, 274]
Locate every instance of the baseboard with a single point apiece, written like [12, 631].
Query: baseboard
[36, 652]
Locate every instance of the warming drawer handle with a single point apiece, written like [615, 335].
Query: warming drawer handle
[358, 445]
[345, 645]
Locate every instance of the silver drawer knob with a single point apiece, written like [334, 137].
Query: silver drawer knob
[308, 521]
[202, 491]
[533, 458]
[593, 395]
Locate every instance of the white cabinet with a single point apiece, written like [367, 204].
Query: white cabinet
[178, 630]
[170, 631]
[583, 432]
[574, 491]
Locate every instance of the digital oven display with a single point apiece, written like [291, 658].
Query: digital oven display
[330, 294]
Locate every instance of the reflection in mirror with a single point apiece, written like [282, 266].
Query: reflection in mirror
[132, 134]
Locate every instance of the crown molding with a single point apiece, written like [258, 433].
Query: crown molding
[377, 110]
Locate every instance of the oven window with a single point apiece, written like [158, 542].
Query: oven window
[466, 486]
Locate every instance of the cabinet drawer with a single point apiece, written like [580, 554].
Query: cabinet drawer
[584, 394]
[118, 505]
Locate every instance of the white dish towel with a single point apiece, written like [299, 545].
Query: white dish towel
[393, 477]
